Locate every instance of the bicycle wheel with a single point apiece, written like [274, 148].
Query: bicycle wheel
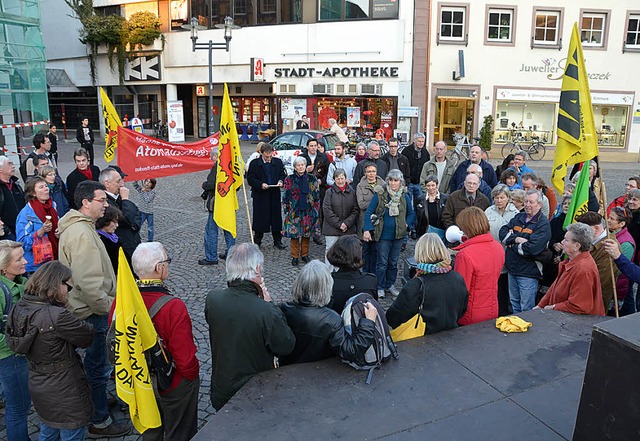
[537, 151]
[507, 149]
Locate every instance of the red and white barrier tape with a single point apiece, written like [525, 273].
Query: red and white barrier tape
[29, 124]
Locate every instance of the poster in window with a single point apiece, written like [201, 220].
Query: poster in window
[293, 108]
[179, 11]
[385, 9]
[353, 116]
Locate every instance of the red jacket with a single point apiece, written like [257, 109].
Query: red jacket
[479, 261]
[173, 324]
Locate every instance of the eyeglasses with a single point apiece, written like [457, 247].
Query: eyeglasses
[168, 260]
[69, 287]
[101, 200]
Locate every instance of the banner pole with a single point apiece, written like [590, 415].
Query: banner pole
[246, 206]
[603, 196]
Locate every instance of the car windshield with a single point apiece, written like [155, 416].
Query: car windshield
[287, 141]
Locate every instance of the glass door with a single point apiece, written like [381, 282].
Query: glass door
[453, 115]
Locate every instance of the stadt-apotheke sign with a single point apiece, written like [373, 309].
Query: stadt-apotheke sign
[331, 72]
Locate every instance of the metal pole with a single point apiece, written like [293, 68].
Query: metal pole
[210, 113]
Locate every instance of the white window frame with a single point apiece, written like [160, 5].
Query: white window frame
[604, 15]
[501, 9]
[558, 13]
[631, 15]
[453, 8]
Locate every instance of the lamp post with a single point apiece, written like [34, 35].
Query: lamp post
[210, 46]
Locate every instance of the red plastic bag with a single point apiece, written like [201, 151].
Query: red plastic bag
[42, 250]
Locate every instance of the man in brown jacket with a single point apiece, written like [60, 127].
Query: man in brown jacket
[600, 255]
[468, 196]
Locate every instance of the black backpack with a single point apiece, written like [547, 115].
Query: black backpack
[23, 166]
[383, 349]
[159, 360]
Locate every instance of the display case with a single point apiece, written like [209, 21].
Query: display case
[530, 119]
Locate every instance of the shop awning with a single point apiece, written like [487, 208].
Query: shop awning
[59, 81]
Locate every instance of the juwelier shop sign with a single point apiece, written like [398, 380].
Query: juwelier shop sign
[554, 69]
[331, 72]
[550, 96]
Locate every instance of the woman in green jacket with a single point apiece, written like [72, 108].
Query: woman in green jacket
[13, 368]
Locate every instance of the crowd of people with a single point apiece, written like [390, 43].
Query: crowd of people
[513, 256]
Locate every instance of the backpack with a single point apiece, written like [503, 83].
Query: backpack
[159, 360]
[383, 348]
[8, 303]
[23, 166]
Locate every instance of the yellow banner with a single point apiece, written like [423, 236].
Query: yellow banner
[111, 124]
[577, 141]
[230, 169]
[134, 334]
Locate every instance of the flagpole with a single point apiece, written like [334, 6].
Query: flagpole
[603, 197]
[246, 206]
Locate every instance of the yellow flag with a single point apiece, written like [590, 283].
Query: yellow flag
[111, 124]
[230, 169]
[134, 334]
[577, 140]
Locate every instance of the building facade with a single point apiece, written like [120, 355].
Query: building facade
[351, 60]
[506, 59]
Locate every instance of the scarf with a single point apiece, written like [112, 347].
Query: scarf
[343, 188]
[43, 209]
[359, 158]
[51, 187]
[302, 182]
[86, 173]
[394, 200]
[433, 268]
[113, 237]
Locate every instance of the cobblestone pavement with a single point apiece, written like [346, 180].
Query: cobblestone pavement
[180, 218]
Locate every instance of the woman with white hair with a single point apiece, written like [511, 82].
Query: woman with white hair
[301, 205]
[577, 288]
[387, 220]
[335, 128]
[319, 330]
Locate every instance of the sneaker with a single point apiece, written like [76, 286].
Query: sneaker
[222, 256]
[111, 431]
[207, 262]
[295, 261]
[317, 239]
[394, 291]
[306, 259]
[279, 245]
[380, 294]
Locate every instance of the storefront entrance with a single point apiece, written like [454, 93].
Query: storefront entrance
[453, 115]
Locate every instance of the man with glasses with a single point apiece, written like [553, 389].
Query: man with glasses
[179, 403]
[94, 289]
[118, 196]
[373, 151]
[12, 197]
[469, 196]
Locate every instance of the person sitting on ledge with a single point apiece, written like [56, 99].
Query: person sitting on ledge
[319, 330]
[577, 288]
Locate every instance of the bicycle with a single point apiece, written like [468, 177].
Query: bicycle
[160, 130]
[463, 147]
[535, 151]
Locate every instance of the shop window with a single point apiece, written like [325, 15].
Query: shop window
[452, 24]
[130, 9]
[594, 28]
[332, 10]
[247, 12]
[124, 106]
[547, 28]
[500, 25]
[529, 120]
[632, 37]
[611, 125]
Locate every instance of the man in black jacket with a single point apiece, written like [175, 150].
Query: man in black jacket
[84, 135]
[418, 156]
[82, 172]
[118, 196]
[11, 197]
[266, 176]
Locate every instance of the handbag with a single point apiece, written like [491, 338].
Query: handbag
[414, 327]
[42, 250]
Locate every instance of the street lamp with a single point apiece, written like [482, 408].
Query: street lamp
[210, 46]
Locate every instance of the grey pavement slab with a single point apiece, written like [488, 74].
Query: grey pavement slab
[463, 384]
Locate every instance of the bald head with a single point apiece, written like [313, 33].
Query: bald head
[440, 150]
[471, 183]
[475, 169]
[475, 154]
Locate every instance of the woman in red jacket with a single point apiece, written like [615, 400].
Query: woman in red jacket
[479, 260]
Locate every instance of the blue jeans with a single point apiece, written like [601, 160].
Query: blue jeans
[370, 256]
[414, 192]
[387, 265]
[148, 218]
[98, 368]
[211, 239]
[14, 376]
[50, 434]
[522, 293]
